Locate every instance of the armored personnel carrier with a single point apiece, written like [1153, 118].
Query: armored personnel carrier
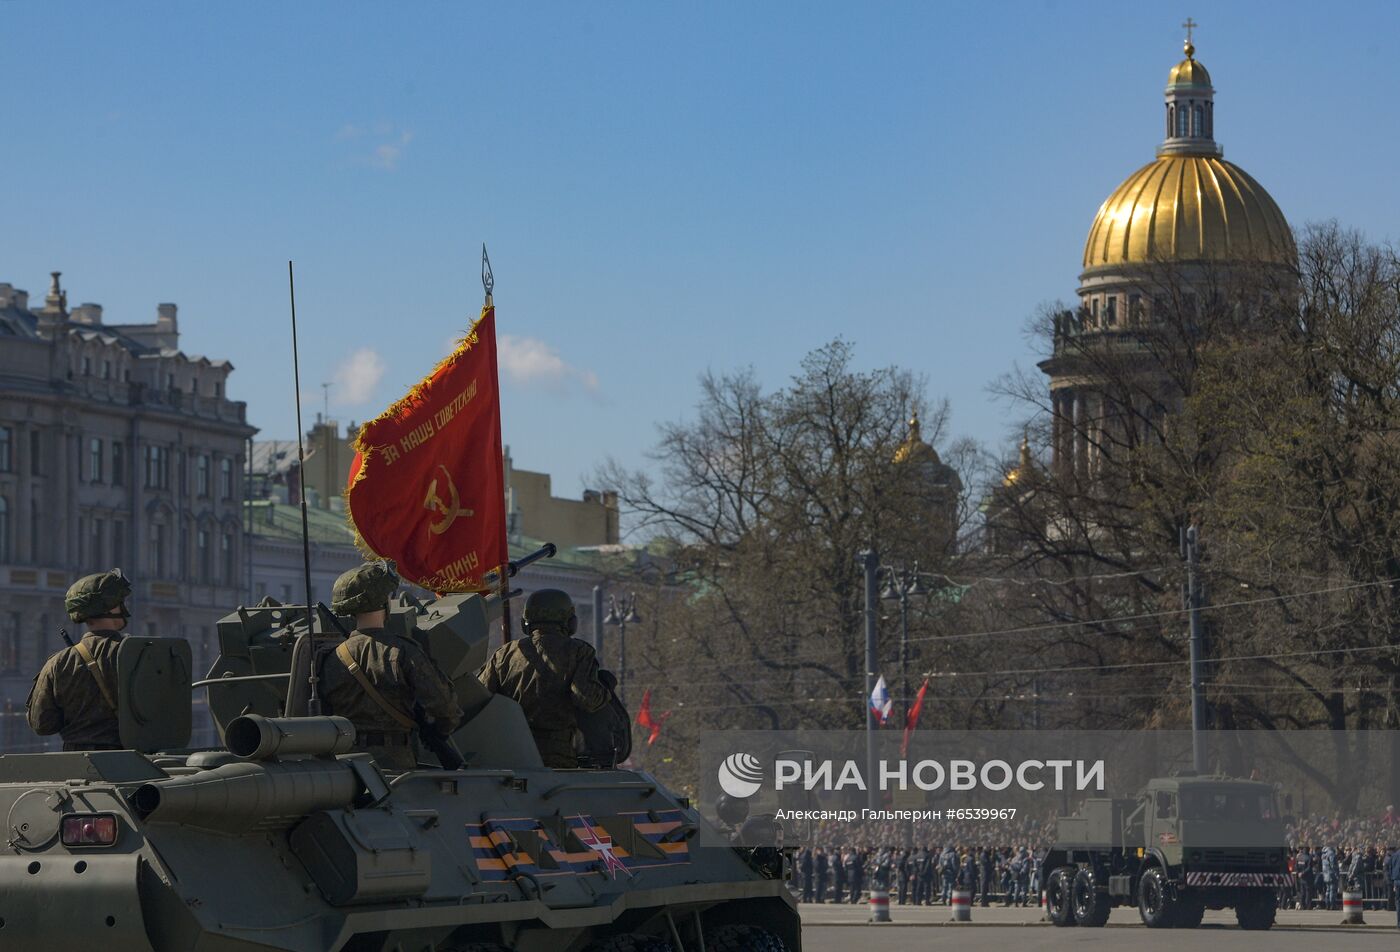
[283, 838]
[1182, 846]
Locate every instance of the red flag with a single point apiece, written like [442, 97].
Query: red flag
[426, 485]
[913, 720]
[644, 718]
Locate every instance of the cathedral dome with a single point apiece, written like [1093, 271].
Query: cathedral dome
[1189, 204]
[1188, 208]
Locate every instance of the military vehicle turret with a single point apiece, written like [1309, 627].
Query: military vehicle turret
[283, 838]
[1182, 846]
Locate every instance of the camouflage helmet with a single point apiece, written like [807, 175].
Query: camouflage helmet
[98, 596]
[549, 606]
[365, 588]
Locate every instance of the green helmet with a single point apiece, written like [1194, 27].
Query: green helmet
[366, 588]
[549, 606]
[98, 596]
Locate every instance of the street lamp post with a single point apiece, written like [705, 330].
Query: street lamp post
[620, 615]
[900, 585]
[870, 565]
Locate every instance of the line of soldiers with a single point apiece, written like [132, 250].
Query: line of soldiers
[922, 876]
[375, 678]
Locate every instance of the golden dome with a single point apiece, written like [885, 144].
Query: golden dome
[1188, 72]
[914, 448]
[1188, 208]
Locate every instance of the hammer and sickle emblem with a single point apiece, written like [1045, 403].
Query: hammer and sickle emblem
[433, 503]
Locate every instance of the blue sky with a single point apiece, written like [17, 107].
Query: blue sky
[665, 188]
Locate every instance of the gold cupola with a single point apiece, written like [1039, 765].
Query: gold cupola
[1189, 204]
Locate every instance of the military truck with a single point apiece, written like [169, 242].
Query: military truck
[1183, 845]
[284, 838]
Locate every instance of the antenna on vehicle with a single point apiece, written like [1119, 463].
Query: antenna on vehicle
[313, 700]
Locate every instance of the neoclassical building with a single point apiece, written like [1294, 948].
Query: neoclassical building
[1188, 215]
[117, 448]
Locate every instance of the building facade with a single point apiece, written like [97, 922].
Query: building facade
[116, 449]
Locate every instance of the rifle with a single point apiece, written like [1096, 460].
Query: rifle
[435, 740]
[67, 638]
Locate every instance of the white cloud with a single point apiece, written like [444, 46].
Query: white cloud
[357, 377]
[527, 360]
[381, 145]
[387, 154]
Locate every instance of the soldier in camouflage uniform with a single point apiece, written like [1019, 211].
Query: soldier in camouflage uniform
[376, 678]
[551, 674]
[75, 694]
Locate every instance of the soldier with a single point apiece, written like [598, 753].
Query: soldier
[1392, 877]
[75, 694]
[950, 864]
[820, 863]
[552, 675]
[988, 866]
[804, 866]
[838, 870]
[376, 679]
[903, 870]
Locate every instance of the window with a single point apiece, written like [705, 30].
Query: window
[169, 381]
[194, 385]
[118, 541]
[218, 389]
[1135, 308]
[35, 452]
[1166, 805]
[225, 478]
[157, 467]
[156, 556]
[106, 370]
[1111, 303]
[201, 476]
[5, 548]
[9, 643]
[202, 545]
[226, 557]
[7, 441]
[94, 460]
[1198, 123]
[36, 547]
[118, 464]
[87, 366]
[97, 544]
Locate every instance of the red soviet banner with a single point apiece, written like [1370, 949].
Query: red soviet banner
[426, 487]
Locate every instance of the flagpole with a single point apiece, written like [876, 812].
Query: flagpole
[488, 284]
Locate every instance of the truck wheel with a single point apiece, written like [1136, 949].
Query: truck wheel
[1091, 907]
[1256, 912]
[1189, 913]
[1154, 902]
[1059, 898]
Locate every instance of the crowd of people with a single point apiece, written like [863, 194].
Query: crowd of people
[999, 862]
[921, 876]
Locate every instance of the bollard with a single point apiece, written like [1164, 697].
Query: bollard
[1352, 907]
[962, 905]
[1044, 911]
[879, 905]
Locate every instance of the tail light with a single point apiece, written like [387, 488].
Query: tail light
[90, 829]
